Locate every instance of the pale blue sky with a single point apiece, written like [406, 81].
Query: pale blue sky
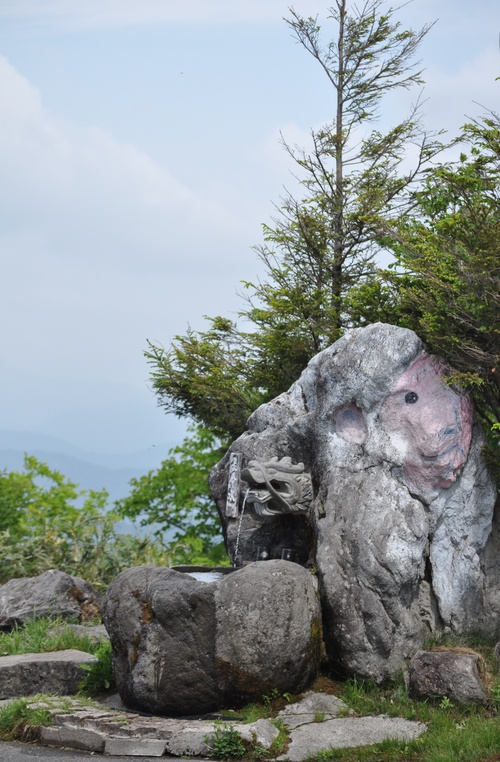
[139, 156]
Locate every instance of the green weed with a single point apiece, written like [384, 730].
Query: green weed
[445, 703]
[99, 677]
[19, 722]
[267, 699]
[225, 743]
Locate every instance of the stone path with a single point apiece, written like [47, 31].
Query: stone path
[316, 722]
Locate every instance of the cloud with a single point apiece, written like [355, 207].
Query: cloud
[88, 14]
[60, 174]
[101, 247]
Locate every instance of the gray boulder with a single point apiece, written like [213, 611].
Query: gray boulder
[162, 628]
[397, 514]
[183, 646]
[268, 630]
[53, 593]
[435, 674]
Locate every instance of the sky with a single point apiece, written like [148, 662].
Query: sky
[139, 158]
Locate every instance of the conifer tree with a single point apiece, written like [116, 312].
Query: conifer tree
[320, 248]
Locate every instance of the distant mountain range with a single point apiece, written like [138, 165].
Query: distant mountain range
[90, 470]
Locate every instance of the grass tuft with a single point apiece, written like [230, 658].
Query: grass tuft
[19, 722]
[99, 677]
[33, 637]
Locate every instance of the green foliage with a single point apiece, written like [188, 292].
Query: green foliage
[225, 743]
[48, 522]
[495, 695]
[95, 552]
[33, 637]
[177, 497]
[18, 722]
[207, 376]
[99, 677]
[318, 252]
[445, 703]
[38, 496]
[267, 698]
[15, 494]
[57, 525]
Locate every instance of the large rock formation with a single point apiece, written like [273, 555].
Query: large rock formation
[370, 468]
[183, 646]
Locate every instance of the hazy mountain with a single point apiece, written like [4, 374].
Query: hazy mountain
[97, 417]
[98, 434]
[91, 470]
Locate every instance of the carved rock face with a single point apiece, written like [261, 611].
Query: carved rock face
[400, 523]
[433, 424]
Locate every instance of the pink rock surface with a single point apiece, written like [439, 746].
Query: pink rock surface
[433, 424]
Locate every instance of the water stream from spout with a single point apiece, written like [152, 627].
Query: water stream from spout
[238, 533]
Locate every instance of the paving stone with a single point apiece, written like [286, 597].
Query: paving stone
[190, 741]
[310, 707]
[74, 738]
[345, 732]
[135, 747]
[262, 732]
[130, 734]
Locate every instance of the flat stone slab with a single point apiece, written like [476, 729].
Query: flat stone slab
[313, 707]
[74, 738]
[100, 729]
[134, 747]
[58, 672]
[94, 728]
[94, 633]
[345, 732]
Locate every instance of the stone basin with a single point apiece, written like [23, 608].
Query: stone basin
[185, 647]
[205, 573]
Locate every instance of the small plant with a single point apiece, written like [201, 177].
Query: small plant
[272, 696]
[99, 677]
[280, 744]
[495, 695]
[225, 743]
[445, 703]
[319, 716]
[257, 753]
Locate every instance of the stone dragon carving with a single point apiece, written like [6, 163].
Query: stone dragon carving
[277, 487]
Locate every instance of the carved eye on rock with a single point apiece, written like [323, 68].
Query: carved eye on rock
[411, 398]
[350, 424]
